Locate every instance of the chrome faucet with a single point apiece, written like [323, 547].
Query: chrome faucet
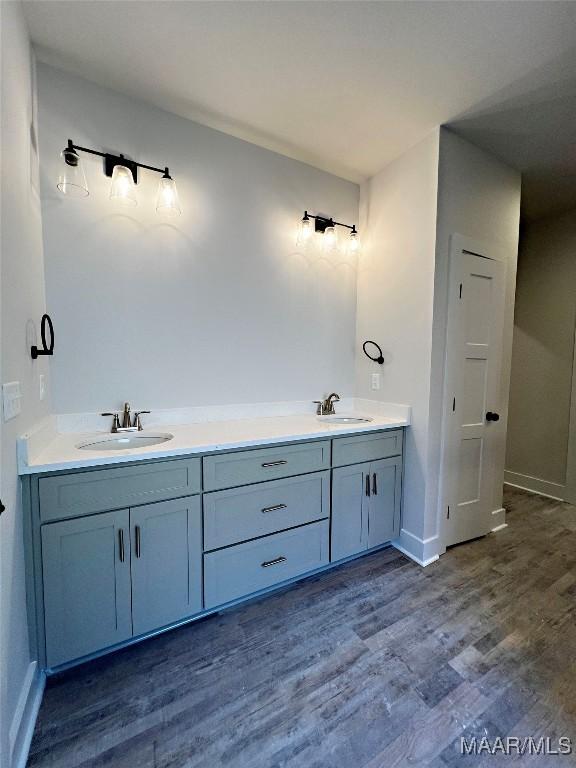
[126, 426]
[326, 407]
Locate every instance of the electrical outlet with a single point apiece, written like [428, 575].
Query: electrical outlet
[375, 381]
[42, 381]
[11, 400]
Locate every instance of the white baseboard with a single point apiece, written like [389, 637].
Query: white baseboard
[547, 488]
[422, 551]
[498, 520]
[24, 720]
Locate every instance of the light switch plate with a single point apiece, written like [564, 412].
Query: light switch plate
[375, 380]
[11, 400]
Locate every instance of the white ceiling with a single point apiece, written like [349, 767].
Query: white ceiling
[345, 86]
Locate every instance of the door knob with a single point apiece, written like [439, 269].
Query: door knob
[492, 416]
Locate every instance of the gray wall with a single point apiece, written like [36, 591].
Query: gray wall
[216, 307]
[442, 186]
[22, 301]
[395, 295]
[543, 351]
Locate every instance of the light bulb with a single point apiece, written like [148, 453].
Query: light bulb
[167, 202]
[71, 178]
[304, 230]
[330, 238]
[122, 187]
[354, 241]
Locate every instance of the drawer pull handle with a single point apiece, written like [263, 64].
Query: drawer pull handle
[274, 463]
[138, 540]
[268, 563]
[273, 509]
[121, 544]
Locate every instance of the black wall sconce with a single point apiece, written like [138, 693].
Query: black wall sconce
[46, 349]
[327, 227]
[124, 175]
[377, 358]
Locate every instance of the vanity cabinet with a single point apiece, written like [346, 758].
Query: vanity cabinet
[114, 575]
[86, 576]
[365, 506]
[118, 553]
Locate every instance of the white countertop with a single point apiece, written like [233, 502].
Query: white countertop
[58, 451]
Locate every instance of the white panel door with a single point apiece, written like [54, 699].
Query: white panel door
[473, 359]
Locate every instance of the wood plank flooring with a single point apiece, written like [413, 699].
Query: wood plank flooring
[377, 664]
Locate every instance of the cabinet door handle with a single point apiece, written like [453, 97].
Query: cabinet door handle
[367, 485]
[268, 563]
[121, 553]
[374, 486]
[273, 509]
[274, 463]
[137, 540]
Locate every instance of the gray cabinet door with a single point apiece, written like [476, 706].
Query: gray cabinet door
[166, 540]
[86, 568]
[349, 511]
[384, 501]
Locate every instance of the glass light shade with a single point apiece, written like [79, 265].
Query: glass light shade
[354, 242]
[122, 187]
[71, 178]
[167, 202]
[330, 239]
[305, 231]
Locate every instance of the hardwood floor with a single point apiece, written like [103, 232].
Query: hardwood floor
[379, 663]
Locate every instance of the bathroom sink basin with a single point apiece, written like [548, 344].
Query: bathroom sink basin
[342, 419]
[124, 441]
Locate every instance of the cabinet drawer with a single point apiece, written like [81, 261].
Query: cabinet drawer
[83, 493]
[244, 467]
[239, 514]
[368, 447]
[245, 568]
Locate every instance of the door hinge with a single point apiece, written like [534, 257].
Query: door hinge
[448, 513]
[460, 296]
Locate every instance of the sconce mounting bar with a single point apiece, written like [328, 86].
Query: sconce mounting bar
[322, 222]
[110, 161]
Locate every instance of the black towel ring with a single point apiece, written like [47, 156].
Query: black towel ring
[46, 350]
[380, 358]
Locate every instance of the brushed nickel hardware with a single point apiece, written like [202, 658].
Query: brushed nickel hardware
[137, 423]
[367, 485]
[115, 421]
[274, 463]
[137, 540]
[326, 407]
[126, 426]
[126, 416]
[274, 508]
[268, 563]
[374, 486]
[121, 544]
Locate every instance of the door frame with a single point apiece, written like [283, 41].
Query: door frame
[460, 244]
[569, 489]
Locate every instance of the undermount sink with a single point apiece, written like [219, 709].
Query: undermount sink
[342, 419]
[124, 441]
